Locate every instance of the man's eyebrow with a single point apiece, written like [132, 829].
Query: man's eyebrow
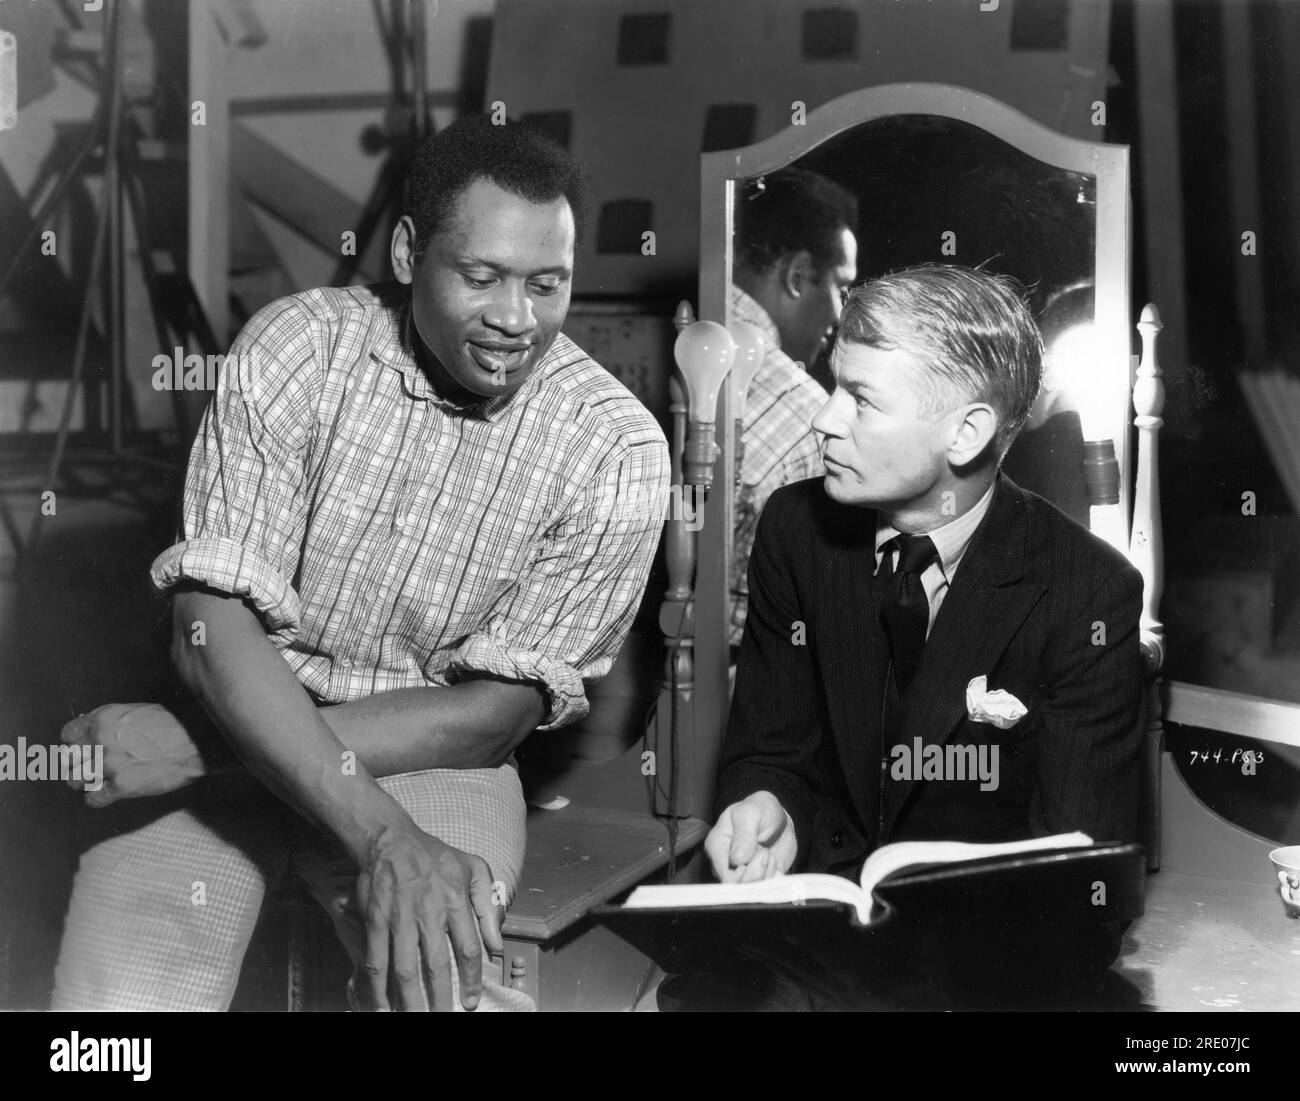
[562, 270]
[856, 385]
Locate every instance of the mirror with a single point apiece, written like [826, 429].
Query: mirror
[935, 189]
[944, 174]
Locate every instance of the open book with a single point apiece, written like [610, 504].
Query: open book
[812, 886]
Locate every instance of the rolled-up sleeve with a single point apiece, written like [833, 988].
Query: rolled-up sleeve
[244, 511]
[564, 622]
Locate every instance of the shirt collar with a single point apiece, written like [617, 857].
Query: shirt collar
[745, 308]
[393, 344]
[952, 539]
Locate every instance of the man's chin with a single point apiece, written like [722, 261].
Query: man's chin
[846, 493]
[478, 380]
[834, 487]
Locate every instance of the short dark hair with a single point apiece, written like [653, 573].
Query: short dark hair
[516, 156]
[790, 210]
[972, 328]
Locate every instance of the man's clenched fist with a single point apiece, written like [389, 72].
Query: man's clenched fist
[752, 839]
[147, 751]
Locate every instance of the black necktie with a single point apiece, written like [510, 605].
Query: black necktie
[904, 608]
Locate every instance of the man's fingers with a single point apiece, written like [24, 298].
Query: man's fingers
[465, 942]
[376, 966]
[774, 868]
[717, 847]
[104, 797]
[437, 965]
[74, 730]
[771, 821]
[745, 819]
[756, 868]
[488, 903]
[405, 969]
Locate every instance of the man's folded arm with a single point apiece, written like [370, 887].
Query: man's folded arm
[775, 725]
[476, 723]
[561, 625]
[1089, 744]
[266, 715]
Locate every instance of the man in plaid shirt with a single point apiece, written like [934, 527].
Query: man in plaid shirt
[795, 257]
[417, 518]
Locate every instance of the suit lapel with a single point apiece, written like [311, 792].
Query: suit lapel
[983, 609]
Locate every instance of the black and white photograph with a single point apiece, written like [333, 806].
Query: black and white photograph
[651, 506]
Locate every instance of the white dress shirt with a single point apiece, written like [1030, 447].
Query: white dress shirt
[950, 541]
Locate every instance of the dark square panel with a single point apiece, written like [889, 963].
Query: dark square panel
[621, 223]
[643, 39]
[1040, 25]
[728, 125]
[830, 34]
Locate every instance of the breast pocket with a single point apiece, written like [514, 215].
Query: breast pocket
[1011, 754]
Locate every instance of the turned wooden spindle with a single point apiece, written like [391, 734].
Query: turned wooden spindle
[679, 541]
[1146, 545]
[1146, 552]
[676, 611]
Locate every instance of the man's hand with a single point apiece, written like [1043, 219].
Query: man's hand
[147, 751]
[415, 893]
[752, 839]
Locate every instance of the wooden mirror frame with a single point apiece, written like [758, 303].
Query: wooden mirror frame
[720, 173]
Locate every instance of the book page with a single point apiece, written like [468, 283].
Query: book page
[814, 886]
[912, 854]
[811, 886]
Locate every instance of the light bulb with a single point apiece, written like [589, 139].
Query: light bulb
[1077, 357]
[704, 352]
[751, 347]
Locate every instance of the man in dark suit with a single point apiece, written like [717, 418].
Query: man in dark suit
[914, 598]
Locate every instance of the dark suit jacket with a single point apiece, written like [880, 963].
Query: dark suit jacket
[1042, 607]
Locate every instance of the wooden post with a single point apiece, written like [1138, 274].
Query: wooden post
[1162, 190]
[1146, 551]
[712, 602]
[676, 621]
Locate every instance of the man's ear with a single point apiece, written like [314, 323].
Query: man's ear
[973, 428]
[795, 273]
[402, 250]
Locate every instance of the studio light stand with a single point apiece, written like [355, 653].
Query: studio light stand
[106, 272]
[406, 125]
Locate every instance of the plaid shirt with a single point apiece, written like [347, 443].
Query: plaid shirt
[780, 445]
[391, 539]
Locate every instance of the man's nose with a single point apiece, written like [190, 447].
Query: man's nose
[829, 420]
[511, 310]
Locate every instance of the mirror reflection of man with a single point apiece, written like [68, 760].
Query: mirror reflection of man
[916, 569]
[795, 258]
[414, 526]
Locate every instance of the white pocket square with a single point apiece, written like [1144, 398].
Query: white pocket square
[1000, 708]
